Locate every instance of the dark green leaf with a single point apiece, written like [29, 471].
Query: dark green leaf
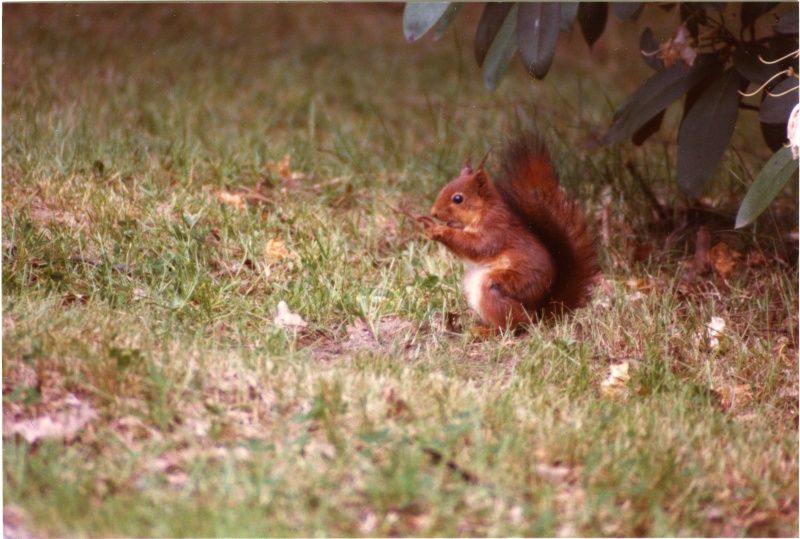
[419, 17]
[787, 24]
[569, 10]
[706, 131]
[656, 94]
[627, 10]
[648, 46]
[537, 35]
[447, 19]
[592, 20]
[746, 62]
[753, 10]
[502, 50]
[492, 19]
[769, 182]
[775, 108]
[647, 130]
[774, 135]
[694, 94]
[781, 46]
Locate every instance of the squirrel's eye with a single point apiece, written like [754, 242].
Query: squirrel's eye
[458, 199]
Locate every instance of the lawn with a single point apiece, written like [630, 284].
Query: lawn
[171, 173]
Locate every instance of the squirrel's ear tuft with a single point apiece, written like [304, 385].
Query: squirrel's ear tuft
[485, 157]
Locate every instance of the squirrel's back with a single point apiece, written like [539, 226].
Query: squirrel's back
[529, 186]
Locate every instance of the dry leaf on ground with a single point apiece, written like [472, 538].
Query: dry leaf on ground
[757, 260]
[723, 259]
[616, 384]
[636, 286]
[553, 472]
[287, 319]
[60, 426]
[277, 250]
[232, 200]
[734, 395]
[284, 169]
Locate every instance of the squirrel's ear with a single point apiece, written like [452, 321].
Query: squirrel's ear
[466, 170]
[481, 181]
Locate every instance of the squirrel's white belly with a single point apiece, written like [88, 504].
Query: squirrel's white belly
[474, 274]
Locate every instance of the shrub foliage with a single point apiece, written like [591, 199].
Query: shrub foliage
[713, 58]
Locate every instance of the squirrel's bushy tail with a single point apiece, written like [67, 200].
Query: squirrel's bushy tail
[530, 186]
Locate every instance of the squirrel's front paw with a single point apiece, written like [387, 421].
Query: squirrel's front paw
[436, 232]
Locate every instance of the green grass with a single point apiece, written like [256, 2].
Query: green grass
[127, 285]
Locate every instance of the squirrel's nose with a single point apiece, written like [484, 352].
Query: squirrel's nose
[434, 214]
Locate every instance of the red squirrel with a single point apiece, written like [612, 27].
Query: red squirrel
[527, 251]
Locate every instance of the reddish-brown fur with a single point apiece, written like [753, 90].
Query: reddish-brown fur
[525, 243]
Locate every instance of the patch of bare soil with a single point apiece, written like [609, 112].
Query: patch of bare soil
[362, 337]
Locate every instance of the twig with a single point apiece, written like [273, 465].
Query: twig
[423, 219]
